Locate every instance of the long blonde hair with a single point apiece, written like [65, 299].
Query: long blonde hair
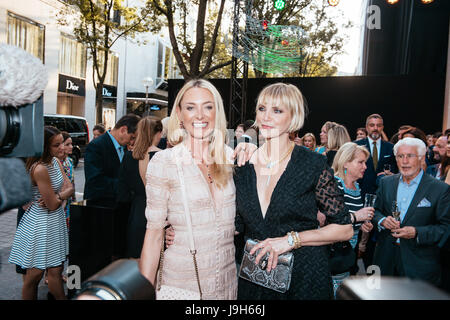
[337, 136]
[221, 167]
[146, 130]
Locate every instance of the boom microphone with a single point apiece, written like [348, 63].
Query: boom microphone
[15, 184]
[23, 79]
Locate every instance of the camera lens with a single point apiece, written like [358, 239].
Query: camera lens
[9, 129]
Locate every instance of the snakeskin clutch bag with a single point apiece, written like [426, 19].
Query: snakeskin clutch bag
[278, 279]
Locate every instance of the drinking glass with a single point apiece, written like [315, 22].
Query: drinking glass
[395, 211]
[369, 200]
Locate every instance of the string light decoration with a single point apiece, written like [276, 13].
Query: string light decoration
[396, 1]
[279, 4]
[271, 48]
[333, 3]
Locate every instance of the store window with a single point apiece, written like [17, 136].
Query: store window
[112, 70]
[72, 57]
[26, 34]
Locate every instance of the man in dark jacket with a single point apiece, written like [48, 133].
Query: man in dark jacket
[101, 168]
[102, 161]
[409, 246]
[381, 154]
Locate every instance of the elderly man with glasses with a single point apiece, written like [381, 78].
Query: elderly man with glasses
[409, 245]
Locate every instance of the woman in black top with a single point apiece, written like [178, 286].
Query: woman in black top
[337, 136]
[278, 194]
[132, 182]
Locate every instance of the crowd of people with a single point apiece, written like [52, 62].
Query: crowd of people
[188, 193]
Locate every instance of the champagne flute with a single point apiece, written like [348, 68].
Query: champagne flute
[369, 201]
[395, 212]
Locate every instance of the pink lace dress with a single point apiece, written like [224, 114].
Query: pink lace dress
[212, 224]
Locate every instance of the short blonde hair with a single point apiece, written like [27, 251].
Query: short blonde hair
[347, 153]
[221, 169]
[309, 134]
[287, 95]
[337, 136]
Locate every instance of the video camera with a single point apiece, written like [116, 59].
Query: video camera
[23, 79]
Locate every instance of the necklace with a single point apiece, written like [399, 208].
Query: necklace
[271, 164]
[209, 174]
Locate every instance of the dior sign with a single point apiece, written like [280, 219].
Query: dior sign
[71, 85]
[109, 91]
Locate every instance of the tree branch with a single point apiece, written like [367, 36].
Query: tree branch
[214, 38]
[216, 67]
[197, 53]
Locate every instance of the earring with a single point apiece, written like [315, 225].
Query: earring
[345, 171]
[181, 125]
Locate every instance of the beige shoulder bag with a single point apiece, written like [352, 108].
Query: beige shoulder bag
[165, 292]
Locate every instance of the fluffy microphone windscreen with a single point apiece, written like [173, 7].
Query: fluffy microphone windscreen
[23, 77]
[15, 184]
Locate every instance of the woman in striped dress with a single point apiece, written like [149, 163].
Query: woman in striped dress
[41, 240]
[67, 164]
[349, 165]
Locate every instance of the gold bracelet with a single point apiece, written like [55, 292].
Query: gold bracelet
[297, 242]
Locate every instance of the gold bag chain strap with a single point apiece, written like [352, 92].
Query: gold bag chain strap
[191, 237]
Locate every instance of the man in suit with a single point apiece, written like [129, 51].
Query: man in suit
[102, 161]
[380, 154]
[101, 168]
[410, 247]
[439, 151]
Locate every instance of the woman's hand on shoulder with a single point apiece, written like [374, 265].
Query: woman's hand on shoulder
[244, 152]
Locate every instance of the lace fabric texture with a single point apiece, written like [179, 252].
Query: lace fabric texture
[212, 225]
[306, 186]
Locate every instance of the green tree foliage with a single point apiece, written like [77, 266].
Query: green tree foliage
[98, 24]
[198, 51]
[325, 37]
[202, 51]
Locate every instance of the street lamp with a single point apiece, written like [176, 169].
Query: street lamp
[147, 82]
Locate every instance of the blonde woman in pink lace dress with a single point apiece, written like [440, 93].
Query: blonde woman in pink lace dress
[197, 130]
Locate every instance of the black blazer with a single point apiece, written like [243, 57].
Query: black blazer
[369, 182]
[101, 171]
[420, 256]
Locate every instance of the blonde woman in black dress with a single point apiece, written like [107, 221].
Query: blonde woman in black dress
[278, 194]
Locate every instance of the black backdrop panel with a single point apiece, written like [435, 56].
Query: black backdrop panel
[413, 100]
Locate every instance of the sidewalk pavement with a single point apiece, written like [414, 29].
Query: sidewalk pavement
[10, 281]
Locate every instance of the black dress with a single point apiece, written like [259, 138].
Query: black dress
[132, 190]
[306, 186]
